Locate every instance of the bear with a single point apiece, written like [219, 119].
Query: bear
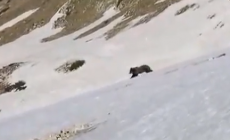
[138, 70]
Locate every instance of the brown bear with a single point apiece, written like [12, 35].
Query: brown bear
[138, 70]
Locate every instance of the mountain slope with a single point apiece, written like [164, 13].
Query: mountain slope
[191, 102]
[183, 31]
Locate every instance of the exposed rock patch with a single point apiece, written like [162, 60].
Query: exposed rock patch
[70, 66]
[4, 6]
[70, 132]
[6, 71]
[5, 85]
[67, 8]
[187, 7]
[61, 22]
[35, 26]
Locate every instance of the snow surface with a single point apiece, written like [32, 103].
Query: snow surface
[159, 1]
[17, 19]
[164, 41]
[191, 103]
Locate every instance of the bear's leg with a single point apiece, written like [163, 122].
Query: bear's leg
[134, 75]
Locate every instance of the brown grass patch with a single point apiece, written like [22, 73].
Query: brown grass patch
[84, 13]
[47, 9]
[132, 9]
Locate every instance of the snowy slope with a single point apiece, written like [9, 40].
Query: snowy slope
[191, 103]
[164, 41]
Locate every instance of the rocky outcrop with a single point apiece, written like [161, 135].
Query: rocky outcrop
[60, 23]
[34, 26]
[66, 10]
[70, 66]
[5, 85]
[4, 6]
[70, 132]
[6, 71]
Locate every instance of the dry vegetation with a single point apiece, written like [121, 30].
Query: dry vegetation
[70, 66]
[133, 9]
[84, 13]
[81, 14]
[5, 73]
[90, 11]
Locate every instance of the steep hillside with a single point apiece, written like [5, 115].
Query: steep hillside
[189, 102]
[98, 44]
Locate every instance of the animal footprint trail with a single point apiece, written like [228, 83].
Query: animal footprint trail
[211, 58]
[200, 62]
[211, 16]
[219, 25]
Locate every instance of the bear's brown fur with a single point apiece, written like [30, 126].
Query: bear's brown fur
[138, 70]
